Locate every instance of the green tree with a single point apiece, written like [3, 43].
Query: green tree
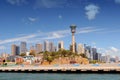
[50, 59]
[32, 53]
[83, 55]
[49, 56]
[22, 54]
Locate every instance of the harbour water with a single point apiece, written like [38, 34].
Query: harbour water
[55, 76]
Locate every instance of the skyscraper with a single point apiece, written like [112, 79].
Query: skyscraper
[51, 47]
[99, 57]
[15, 50]
[95, 54]
[60, 45]
[38, 48]
[46, 46]
[81, 49]
[88, 52]
[23, 47]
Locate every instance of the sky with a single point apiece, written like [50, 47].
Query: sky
[34, 21]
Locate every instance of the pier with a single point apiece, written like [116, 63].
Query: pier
[108, 68]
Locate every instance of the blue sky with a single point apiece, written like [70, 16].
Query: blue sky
[98, 23]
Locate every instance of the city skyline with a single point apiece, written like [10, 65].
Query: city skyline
[38, 20]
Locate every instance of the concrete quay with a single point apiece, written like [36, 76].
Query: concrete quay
[103, 68]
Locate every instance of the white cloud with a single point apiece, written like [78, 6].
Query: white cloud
[16, 2]
[110, 31]
[54, 36]
[64, 33]
[60, 17]
[24, 38]
[31, 19]
[48, 35]
[94, 43]
[87, 30]
[91, 11]
[100, 49]
[50, 3]
[117, 1]
[21, 34]
[113, 49]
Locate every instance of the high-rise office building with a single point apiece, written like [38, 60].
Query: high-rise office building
[51, 47]
[38, 48]
[61, 45]
[99, 57]
[46, 46]
[15, 50]
[95, 54]
[81, 49]
[107, 59]
[23, 47]
[103, 59]
[88, 52]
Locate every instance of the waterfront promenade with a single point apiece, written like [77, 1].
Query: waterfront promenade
[63, 68]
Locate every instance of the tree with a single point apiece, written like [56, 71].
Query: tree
[22, 54]
[83, 55]
[49, 56]
[64, 53]
[32, 52]
[50, 59]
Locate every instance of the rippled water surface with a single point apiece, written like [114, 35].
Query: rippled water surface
[51, 76]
